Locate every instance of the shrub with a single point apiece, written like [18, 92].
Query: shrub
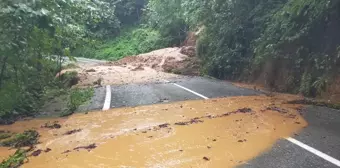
[15, 160]
[133, 41]
[76, 98]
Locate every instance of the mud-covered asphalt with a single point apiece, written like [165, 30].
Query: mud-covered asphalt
[322, 132]
[186, 122]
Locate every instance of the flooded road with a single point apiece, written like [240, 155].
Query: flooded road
[199, 133]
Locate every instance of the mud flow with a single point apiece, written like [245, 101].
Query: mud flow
[214, 133]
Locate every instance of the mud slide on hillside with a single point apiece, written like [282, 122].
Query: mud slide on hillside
[155, 66]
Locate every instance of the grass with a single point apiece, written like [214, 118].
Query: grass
[16, 160]
[27, 138]
[5, 135]
[77, 97]
[131, 41]
[70, 66]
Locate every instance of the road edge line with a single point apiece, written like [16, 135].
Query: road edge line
[107, 102]
[314, 151]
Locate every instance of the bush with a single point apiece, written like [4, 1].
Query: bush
[290, 45]
[77, 97]
[68, 79]
[15, 160]
[70, 66]
[27, 138]
[132, 41]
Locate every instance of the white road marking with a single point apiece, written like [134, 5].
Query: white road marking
[314, 151]
[191, 91]
[290, 139]
[107, 102]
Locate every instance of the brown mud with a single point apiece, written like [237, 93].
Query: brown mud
[220, 133]
[154, 66]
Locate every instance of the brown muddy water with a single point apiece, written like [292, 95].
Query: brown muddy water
[155, 136]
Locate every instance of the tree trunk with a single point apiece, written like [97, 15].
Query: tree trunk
[2, 72]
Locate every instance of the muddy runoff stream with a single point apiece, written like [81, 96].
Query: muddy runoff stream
[222, 132]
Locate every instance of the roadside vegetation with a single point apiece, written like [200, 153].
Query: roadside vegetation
[23, 142]
[15, 160]
[131, 41]
[35, 35]
[287, 45]
[76, 98]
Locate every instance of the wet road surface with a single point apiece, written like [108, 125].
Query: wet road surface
[322, 132]
[219, 133]
[166, 91]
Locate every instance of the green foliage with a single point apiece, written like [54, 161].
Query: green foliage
[320, 84]
[77, 97]
[132, 41]
[231, 27]
[297, 38]
[5, 134]
[68, 79]
[70, 66]
[34, 37]
[129, 12]
[306, 84]
[164, 23]
[167, 17]
[27, 138]
[16, 160]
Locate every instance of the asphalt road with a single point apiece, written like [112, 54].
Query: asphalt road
[165, 92]
[322, 134]
[319, 141]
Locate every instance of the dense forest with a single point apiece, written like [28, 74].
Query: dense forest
[288, 45]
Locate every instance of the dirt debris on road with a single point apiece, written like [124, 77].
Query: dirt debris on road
[53, 125]
[257, 129]
[149, 67]
[192, 121]
[72, 132]
[88, 147]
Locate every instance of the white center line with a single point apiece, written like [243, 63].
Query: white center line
[107, 102]
[290, 139]
[191, 91]
[314, 151]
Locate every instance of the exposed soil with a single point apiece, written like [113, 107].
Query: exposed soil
[149, 67]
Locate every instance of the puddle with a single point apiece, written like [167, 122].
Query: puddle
[140, 137]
